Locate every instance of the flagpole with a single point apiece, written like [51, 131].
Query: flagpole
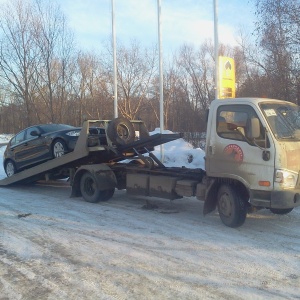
[161, 90]
[216, 46]
[114, 60]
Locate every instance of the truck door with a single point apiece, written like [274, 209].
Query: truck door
[231, 153]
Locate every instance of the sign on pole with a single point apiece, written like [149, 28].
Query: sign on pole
[226, 77]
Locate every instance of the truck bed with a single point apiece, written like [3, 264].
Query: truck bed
[83, 154]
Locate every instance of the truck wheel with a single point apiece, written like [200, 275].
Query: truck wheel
[279, 211]
[10, 168]
[59, 148]
[89, 191]
[107, 194]
[232, 209]
[120, 131]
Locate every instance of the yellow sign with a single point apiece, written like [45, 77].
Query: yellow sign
[226, 77]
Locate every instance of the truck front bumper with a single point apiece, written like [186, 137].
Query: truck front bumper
[285, 199]
[275, 199]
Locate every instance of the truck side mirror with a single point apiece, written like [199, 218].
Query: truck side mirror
[253, 130]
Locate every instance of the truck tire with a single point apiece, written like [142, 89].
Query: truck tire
[120, 131]
[89, 191]
[279, 211]
[107, 194]
[232, 209]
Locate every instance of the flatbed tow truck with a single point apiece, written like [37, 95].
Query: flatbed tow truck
[252, 162]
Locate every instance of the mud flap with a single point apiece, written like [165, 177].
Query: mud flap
[211, 197]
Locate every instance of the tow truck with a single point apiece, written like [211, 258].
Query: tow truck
[252, 162]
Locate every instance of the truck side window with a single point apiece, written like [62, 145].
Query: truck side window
[232, 125]
[233, 122]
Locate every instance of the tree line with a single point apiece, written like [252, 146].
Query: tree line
[45, 78]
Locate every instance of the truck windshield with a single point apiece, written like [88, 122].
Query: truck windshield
[284, 119]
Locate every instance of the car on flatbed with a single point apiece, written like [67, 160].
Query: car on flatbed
[39, 143]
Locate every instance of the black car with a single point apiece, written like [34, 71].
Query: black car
[39, 143]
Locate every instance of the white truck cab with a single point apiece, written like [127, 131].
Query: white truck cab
[252, 157]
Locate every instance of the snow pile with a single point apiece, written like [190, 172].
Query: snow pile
[179, 153]
[4, 138]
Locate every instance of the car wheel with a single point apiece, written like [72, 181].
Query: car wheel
[10, 168]
[232, 209]
[59, 148]
[280, 211]
[121, 131]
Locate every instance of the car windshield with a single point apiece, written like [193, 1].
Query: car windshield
[55, 127]
[284, 119]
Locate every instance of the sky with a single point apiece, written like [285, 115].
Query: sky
[182, 21]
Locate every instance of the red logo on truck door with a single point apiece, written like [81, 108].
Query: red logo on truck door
[234, 152]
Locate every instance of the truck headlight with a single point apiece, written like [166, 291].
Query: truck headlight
[73, 133]
[286, 179]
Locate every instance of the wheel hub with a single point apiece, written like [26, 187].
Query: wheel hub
[59, 150]
[225, 205]
[89, 185]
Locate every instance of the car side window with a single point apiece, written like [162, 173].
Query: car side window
[19, 138]
[29, 131]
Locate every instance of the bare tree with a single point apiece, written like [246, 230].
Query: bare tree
[55, 43]
[136, 68]
[91, 88]
[252, 74]
[197, 75]
[19, 55]
[277, 31]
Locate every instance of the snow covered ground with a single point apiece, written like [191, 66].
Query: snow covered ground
[4, 139]
[54, 247]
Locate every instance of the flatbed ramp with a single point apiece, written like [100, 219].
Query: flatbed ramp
[83, 154]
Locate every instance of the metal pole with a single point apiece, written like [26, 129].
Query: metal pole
[161, 85]
[216, 44]
[114, 60]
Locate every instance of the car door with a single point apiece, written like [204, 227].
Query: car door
[16, 149]
[32, 149]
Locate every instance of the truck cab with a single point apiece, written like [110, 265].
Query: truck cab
[252, 157]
